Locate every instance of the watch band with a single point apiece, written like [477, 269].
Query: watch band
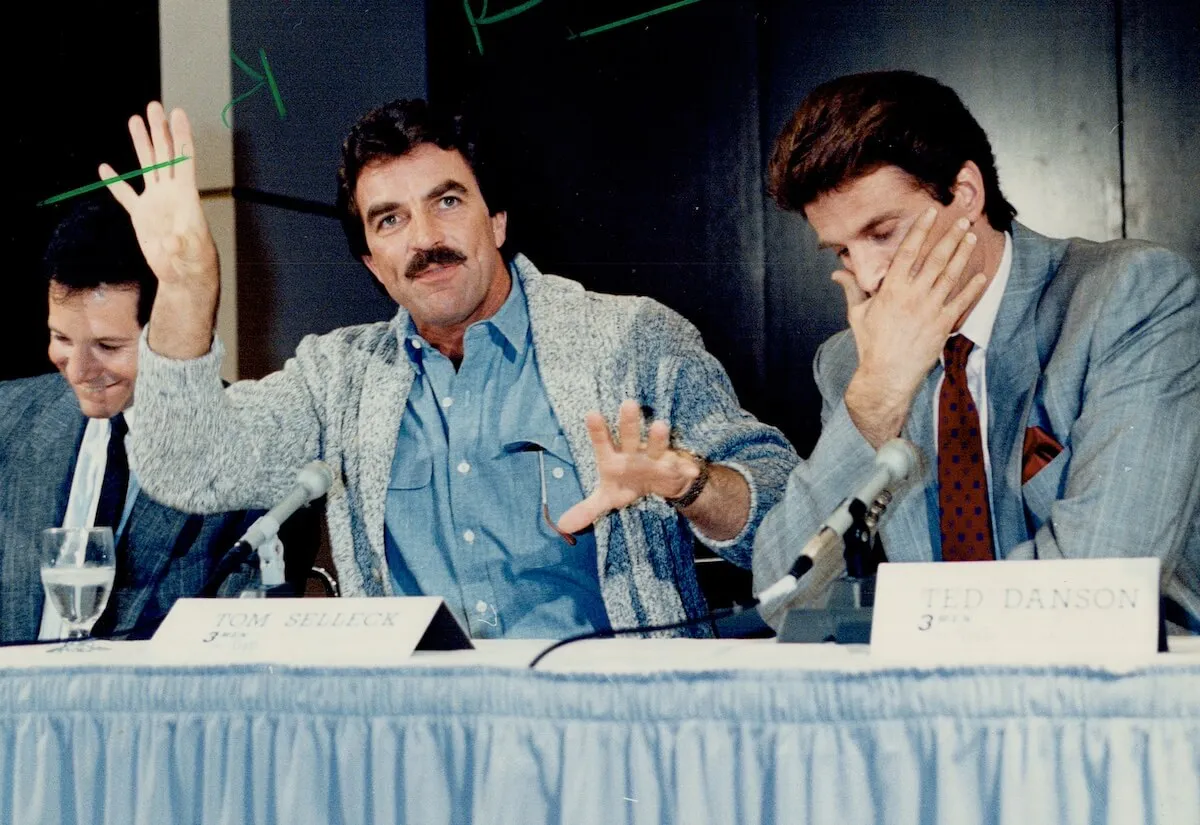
[689, 496]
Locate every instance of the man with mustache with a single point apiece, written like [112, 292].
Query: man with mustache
[470, 435]
[1053, 384]
[62, 445]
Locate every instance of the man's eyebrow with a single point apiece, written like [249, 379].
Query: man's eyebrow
[866, 229]
[445, 187]
[380, 209]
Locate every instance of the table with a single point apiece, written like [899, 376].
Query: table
[616, 731]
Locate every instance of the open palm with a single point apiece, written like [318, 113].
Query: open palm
[630, 470]
[167, 217]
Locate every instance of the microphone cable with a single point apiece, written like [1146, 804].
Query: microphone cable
[712, 617]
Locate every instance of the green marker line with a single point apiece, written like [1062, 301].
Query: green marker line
[474, 26]
[271, 82]
[504, 15]
[241, 64]
[236, 100]
[483, 20]
[634, 19]
[92, 187]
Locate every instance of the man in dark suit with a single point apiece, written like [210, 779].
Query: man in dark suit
[62, 460]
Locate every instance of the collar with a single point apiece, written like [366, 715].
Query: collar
[978, 326]
[511, 321]
[94, 425]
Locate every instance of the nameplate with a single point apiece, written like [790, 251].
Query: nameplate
[357, 631]
[1076, 610]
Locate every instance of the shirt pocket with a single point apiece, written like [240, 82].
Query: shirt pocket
[1045, 488]
[412, 473]
[555, 455]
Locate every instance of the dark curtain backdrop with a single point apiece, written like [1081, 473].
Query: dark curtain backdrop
[637, 139]
[73, 76]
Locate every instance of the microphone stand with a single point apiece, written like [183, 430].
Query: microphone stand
[846, 617]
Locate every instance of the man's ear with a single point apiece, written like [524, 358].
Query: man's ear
[968, 191]
[369, 262]
[499, 227]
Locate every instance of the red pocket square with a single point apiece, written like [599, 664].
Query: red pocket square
[1039, 450]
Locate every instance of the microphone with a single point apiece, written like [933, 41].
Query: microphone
[897, 463]
[312, 481]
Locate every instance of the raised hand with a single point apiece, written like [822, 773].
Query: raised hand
[167, 217]
[173, 233]
[630, 469]
[900, 331]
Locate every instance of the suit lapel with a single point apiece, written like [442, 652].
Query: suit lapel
[41, 485]
[388, 379]
[1013, 369]
[149, 542]
[565, 350]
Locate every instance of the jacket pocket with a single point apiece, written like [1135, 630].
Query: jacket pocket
[1045, 488]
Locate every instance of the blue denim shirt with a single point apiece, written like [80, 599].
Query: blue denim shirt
[464, 505]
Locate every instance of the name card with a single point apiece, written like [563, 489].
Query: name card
[357, 631]
[1073, 610]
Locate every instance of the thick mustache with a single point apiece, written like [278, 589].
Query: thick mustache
[425, 258]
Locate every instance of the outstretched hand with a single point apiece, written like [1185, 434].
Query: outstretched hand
[630, 469]
[167, 217]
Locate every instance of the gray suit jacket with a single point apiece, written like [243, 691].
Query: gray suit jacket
[163, 555]
[1099, 345]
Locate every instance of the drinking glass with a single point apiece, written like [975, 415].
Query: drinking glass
[78, 566]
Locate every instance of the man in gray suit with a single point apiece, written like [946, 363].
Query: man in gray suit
[62, 459]
[1053, 384]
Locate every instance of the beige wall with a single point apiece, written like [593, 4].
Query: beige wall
[196, 76]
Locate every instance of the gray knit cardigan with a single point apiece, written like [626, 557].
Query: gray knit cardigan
[202, 448]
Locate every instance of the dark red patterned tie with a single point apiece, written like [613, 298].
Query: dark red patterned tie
[962, 479]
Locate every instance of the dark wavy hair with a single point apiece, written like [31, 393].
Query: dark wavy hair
[395, 129]
[95, 246]
[849, 127]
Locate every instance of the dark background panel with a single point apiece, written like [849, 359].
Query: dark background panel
[638, 151]
[332, 61]
[69, 92]
[1161, 70]
[1039, 76]
[295, 277]
[633, 152]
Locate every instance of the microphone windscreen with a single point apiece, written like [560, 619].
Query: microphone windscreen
[902, 459]
[316, 477]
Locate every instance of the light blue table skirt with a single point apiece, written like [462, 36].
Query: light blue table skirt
[1020, 746]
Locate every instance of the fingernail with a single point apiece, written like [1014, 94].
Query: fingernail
[963, 223]
[930, 212]
[970, 237]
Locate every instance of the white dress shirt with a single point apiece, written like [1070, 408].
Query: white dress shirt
[85, 497]
[978, 328]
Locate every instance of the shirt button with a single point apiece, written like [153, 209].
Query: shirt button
[464, 467]
[447, 402]
[481, 606]
[557, 472]
[469, 536]
[416, 344]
